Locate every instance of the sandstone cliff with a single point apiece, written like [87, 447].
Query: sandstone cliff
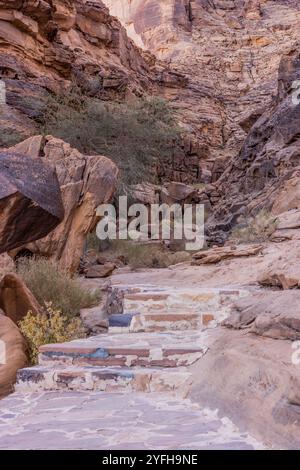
[229, 49]
[216, 61]
[45, 45]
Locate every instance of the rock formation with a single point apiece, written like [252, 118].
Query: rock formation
[215, 255]
[85, 182]
[47, 44]
[16, 300]
[12, 354]
[30, 200]
[265, 174]
[229, 50]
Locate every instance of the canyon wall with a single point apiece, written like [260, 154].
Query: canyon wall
[44, 45]
[229, 50]
[216, 61]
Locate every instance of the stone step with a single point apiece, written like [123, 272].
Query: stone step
[188, 300]
[171, 349]
[106, 379]
[170, 321]
[159, 321]
[121, 320]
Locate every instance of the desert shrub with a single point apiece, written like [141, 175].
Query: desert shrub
[136, 136]
[49, 327]
[145, 255]
[258, 228]
[51, 284]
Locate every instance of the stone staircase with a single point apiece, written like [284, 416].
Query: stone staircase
[148, 348]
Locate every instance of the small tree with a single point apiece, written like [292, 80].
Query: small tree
[136, 136]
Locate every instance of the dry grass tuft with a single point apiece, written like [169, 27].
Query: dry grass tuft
[51, 284]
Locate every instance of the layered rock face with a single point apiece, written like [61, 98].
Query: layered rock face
[266, 173]
[229, 49]
[45, 45]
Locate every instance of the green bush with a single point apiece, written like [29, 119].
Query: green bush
[51, 284]
[136, 136]
[48, 328]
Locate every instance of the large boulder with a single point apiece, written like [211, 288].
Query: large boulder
[12, 354]
[85, 182]
[178, 193]
[30, 199]
[271, 314]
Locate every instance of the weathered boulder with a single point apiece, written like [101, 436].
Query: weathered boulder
[271, 314]
[30, 199]
[179, 193]
[16, 300]
[85, 182]
[284, 278]
[95, 320]
[215, 255]
[12, 354]
[98, 271]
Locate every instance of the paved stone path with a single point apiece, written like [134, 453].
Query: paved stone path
[123, 390]
[84, 420]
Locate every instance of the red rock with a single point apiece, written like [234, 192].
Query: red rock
[15, 354]
[99, 271]
[16, 300]
[30, 199]
[85, 182]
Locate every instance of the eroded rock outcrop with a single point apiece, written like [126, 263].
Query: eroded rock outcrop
[46, 44]
[215, 255]
[272, 314]
[30, 199]
[16, 300]
[85, 183]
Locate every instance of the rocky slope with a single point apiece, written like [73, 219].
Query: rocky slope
[265, 174]
[45, 45]
[216, 61]
[230, 51]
